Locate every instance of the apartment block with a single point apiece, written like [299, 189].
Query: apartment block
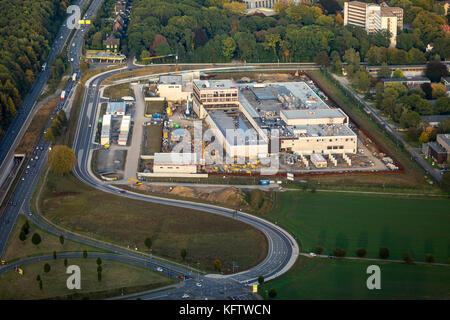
[373, 17]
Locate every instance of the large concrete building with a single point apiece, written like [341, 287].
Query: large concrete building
[245, 116]
[373, 17]
[173, 88]
[214, 94]
[305, 123]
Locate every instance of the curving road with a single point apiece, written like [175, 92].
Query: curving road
[282, 251]
[282, 248]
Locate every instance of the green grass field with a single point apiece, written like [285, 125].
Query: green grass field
[352, 221]
[115, 276]
[153, 139]
[71, 204]
[118, 91]
[18, 249]
[315, 278]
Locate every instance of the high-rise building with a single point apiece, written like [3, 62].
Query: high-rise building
[373, 17]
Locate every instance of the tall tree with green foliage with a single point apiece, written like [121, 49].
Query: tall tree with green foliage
[61, 159]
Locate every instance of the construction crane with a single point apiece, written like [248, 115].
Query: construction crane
[160, 57]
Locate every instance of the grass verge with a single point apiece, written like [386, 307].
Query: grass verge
[73, 205]
[117, 278]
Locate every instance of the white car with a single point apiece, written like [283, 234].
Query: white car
[159, 269]
[312, 254]
[185, 296]
[198, 284]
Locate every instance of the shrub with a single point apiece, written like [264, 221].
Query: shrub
[318, 250]
[407, 258]
[47, 268]
[361, 252]
[261, 280]
[429, 258]
[148, 242]
[339, 252]
[384, 253]
[22, 236]
[272, 293]
[36, 239]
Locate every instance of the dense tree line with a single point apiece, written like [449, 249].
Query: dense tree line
[218, 31]
[27, 29]
[102, 26]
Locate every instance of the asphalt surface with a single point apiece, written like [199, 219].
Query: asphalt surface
[282, 250]
[26, 111]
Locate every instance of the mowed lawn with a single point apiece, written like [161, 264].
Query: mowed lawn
[316, 278]
[18, 249]
[352, 221]
[205, 236]
[115, 276]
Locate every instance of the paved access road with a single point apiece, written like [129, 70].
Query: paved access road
[436, 174]
[283, 249]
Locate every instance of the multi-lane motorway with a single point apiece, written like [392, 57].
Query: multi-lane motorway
[26, 111]
[282, 251]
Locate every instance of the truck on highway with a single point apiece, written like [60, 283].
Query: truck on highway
[74, 77]
[63, 94]
[44, 66]
[264, 182]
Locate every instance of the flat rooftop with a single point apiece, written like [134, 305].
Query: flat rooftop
[313, 114]
[225, 121]
[445, 137]
[321, 131]
[174, 158]
[115, 107]
[215, 84]
[173, 79]
[268, 99]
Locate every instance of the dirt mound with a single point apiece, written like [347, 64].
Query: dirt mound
[185, 192]
[230, 196]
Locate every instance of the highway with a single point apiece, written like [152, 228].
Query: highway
[282, 252]
[283, 249]
[26, 111]
[24, 188]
